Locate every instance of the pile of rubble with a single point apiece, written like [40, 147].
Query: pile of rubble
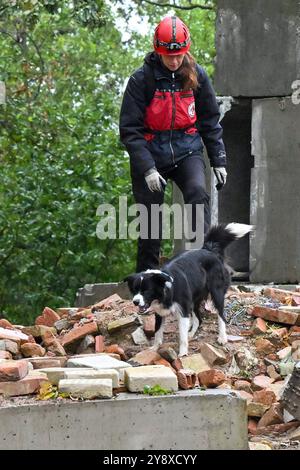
[102, 350]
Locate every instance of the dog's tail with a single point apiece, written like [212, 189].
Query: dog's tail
[220, 236]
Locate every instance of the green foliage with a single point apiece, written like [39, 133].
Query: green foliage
[64, 65]
[156, 390]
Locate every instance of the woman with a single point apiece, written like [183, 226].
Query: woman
[169, 110]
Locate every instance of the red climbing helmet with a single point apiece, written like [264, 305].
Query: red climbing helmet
[171, 37]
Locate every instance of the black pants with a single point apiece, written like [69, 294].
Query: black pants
[190, 178]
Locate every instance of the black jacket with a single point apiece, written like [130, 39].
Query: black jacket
[172, 140]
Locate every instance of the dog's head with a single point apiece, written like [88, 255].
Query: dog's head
[150, 286]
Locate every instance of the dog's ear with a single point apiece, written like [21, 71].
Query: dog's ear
[163, 280]
[130, 280]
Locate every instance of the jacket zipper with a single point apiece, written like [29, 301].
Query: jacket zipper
[173, 117]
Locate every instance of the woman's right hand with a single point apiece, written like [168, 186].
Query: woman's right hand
[154, 180]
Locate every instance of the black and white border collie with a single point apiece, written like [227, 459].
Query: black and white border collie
[184, 282]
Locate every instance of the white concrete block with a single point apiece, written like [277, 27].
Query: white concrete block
[137, 378]
[86, 388]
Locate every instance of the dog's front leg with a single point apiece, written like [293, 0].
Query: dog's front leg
[159, 331]
[184, 324]
[222, 338]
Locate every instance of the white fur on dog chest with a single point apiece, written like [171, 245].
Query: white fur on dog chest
[136, 378]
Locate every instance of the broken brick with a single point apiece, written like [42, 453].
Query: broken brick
[214, 356]
[177, 364]
[6, 324]
[260, 382]
[146, 357]
[106, 303]
[78, 333]
[52, 344]
[256, 409]
[258, 327]
[48, 317]
[272, 416]
[32, 350]
[116, 349]
[252, 426]
[266, 397]
[211, 378]
[25, 386]
[296, 300]
[274, 315]
[264, 346]
[271, 371]
[13, 370]
[167, 353]
[5, 355]
[149, 325]
[277, 428]
[284, 353]
[246, 395]
[280, 295]
[13, 335]
[186, 379]
[242, 385]
[99, 344]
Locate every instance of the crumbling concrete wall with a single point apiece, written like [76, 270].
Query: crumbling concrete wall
[187, 420]
[258, 56]
[258, 47]
[275, 195]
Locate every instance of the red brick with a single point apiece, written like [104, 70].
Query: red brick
[211, 378]
[13, 335]
[99, 344]
[52, 344]
[264, 346]
[260, 382]
[6, 324]
[277, 428]
[272, 416]
[5, 355]
[149, 325]
[266, 397]
[163, 362]
[258, 327]
[252, 426]
[186, 379]
[107, 303]
[295, 329]
[246, 395]
[146, 357]
[32, 350]
[280, 295]
[116, 349]
[296, 300]
[26, 386]
[48, 317]
[77, 333]
[274, 315]
[242, 385]
[13, 370]
[177, 364]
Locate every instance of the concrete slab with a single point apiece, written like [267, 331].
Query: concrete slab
[194, 419]
[275, 199]
[100, 362]
[258, 47]
[93, 293]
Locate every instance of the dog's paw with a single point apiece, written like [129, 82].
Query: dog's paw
[183, 353]
[222, 340]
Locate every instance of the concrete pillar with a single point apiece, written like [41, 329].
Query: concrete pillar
[275, 195]
[258, 47]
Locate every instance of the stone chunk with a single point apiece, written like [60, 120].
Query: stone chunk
[86, 388]
[214, 356]
[137, 378]
[100, 362]
[93, 374]
[125, 322]
[195, 362]
[32, 350]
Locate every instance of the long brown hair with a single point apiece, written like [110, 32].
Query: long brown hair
[188, 72]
